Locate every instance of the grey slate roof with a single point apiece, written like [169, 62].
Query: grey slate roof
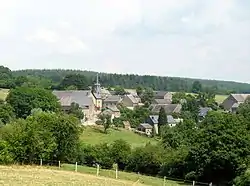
[162, 101]
[83, 97]
[112, 98]
[203, 111]
[113, 108]
[154, 119]
[146, 126]
[240, 97]
[169, 108]
[160, 94]
[133, 99]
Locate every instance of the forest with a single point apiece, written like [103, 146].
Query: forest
[131, 81]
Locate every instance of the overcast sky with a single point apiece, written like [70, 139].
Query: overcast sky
[185, 38]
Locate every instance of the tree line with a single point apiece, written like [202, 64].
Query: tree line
[131, 81]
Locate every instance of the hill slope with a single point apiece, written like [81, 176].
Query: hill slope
[94, 135]
[173, 84]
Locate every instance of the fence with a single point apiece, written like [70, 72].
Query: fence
[114, 173]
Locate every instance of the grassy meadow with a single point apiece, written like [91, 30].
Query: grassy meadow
[34, 176]
[132, 177]
[94, 135]
[3, 93]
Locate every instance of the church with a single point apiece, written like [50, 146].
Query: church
[89, 100]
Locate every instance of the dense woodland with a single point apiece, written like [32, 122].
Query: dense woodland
[173, 84]
[33, 126]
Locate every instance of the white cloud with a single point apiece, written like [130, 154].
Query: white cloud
[58, 42]
[180, 38]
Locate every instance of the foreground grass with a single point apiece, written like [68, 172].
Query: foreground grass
[3, 93]
[34, 176]
[147, 180]
[95, 135]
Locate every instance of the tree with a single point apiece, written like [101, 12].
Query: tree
[162, 120]
[147, 96]
[106, 121]
[24, 99]
[120, 151]
[76, 111]
[139, 90]
[219, 148]
[6, 78]
[119, 90]
[197, 87]
[74, 80]
[43, 135]
[6, 113]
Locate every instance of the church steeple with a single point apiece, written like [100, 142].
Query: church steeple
[97, 86]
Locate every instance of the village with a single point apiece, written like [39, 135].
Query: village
[102, 101]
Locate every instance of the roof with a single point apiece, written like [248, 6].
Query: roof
[240, 97]
[133, 99]
[169, 108]
[154, 118]
[203, 111]
[162, 101]
[113, 108]
[146, 126]
[112, 98]
[83, 97]
[170, 119]
[160, 94]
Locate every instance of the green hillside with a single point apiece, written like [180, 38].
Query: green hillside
[95, 135]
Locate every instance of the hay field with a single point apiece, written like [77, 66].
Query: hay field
[34, 176]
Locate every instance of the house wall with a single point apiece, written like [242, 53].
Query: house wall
[228, 103]
[127, 102]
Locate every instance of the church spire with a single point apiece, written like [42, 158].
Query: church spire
[97, 86]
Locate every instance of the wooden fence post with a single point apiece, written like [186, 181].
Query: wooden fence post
[97, 170]
[164, 181]
[59, 164]
[116, 172]
[41, 162]
[193, 183]
[76, 167]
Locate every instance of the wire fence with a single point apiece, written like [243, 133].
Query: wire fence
[112, 173]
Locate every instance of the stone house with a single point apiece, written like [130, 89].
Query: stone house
[112, 100]
[146, 128]
[232, 102]
[169, 108]
[163, 95]
[203, 111]
[83, 98]
[130, 101]
[153, 121]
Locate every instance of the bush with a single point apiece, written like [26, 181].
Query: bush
[5, 155]
[120, 151]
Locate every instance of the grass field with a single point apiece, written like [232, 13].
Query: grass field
[34, 176]
[3, 93]
[220, 98]
[95, 135]
[132, 177]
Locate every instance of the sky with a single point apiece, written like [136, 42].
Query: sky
[207, 39]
